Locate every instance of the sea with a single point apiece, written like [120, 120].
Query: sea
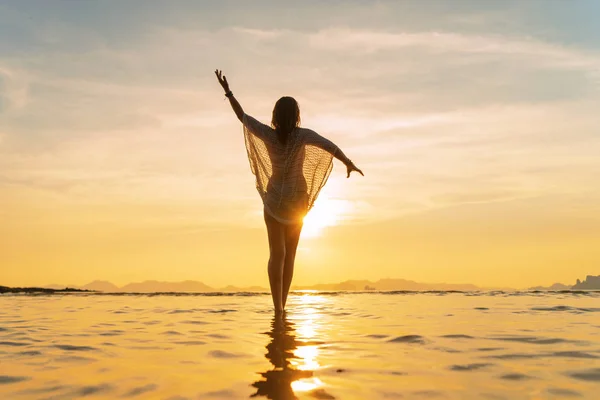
[328, 345]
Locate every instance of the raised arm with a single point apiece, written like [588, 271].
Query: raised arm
[235, 105]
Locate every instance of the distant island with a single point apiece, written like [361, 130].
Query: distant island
[6, 289]
[556, 286]
[151, 286]
[591, 282]
[389, 285]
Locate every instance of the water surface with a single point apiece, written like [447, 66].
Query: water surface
[397, 345]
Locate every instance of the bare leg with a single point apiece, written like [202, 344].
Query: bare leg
[276, 233]
[292, 236]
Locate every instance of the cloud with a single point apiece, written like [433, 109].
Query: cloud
[475, 197]
[339, 40]
[261, 34]
[427, 113]
[14, 90]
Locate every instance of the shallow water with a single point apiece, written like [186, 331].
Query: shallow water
[331, 346]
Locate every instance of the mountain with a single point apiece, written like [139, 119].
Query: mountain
[387, 285]
[152, 286]
[56, 286]
[591, 283]
[156, 286]
[556, 286]
[101, 286]
[231, 288]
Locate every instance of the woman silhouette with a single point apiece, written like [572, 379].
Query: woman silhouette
[291, 165]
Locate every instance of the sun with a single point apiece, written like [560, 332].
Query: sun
[326, 212]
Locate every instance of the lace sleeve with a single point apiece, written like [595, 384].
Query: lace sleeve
[314, 139]
[257, 128]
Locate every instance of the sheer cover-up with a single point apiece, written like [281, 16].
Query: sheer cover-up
[289, 176]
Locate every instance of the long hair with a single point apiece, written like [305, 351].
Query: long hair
[286, 116]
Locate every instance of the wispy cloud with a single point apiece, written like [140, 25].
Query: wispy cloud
[340, 40]
[419, 100]
[14, 89]
[412, 95]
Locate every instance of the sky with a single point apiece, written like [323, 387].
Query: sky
[476, 125]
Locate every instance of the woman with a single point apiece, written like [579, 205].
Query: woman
[291, 165]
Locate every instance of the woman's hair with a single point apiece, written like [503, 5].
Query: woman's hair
[286, 116]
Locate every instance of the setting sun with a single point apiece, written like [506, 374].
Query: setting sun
[326, 212]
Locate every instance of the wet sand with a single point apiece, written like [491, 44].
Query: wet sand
[330, 346]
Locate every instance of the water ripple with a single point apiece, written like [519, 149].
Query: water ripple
[565, 308]
[469, 367]
[141, 390]
[408, 339]
[590, 375]
[14, 344]
[6, 379]
[458, 336]
[70, 347]
[223, 354]
[564, 392]
[515, 377]
[531, 339]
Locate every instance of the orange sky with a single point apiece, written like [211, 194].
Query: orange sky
[476, 127]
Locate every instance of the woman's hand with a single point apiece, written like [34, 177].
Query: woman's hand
[235, 105]
[351, 167]
[222, 80]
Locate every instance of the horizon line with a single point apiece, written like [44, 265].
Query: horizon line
[305, 286]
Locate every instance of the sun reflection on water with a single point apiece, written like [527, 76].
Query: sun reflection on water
[294, 352]
[307, 356]
[307, 384]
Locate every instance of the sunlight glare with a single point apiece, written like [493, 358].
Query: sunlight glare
[308, 357]
[307, 384]
[326, 212]
[307, 327]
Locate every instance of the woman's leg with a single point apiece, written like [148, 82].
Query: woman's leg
[276, 233]
[292, 236]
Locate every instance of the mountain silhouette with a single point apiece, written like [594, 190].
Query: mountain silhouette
[151, 286]
[156, 286]
[591, 282]
[389, 284]
[556, 286]
[56, 286]
[231, 288]
[101, 286]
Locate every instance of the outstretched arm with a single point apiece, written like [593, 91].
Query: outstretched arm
[235, 105]
[321, 142]
[339, 154]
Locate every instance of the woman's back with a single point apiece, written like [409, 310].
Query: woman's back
[289, 175]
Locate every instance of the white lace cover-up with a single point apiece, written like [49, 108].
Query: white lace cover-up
[288, 177]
